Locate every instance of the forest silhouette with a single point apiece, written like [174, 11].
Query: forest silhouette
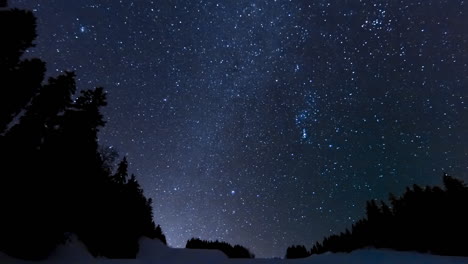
[55, 181]
[236, 251]
[424, 219]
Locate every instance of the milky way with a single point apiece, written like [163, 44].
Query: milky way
[270, 123]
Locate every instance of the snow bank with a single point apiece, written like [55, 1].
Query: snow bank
[151, 252]
[368, 256]
[374, 256]
[155, 252]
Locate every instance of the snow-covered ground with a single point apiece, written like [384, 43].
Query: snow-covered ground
[154, 252]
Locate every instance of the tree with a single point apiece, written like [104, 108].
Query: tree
[108, 156]
[297, 251]
[426, 219]
[19, 79]
[29, 227]
[121, 175]
[158, 234]
[54, 179]
[236, 251]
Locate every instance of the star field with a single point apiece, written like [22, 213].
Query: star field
[270, 123]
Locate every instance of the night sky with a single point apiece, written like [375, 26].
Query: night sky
[270, 122]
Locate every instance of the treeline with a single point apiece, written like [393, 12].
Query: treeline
[53, 180]
[429, 220]
[297, 251]
[236, 251]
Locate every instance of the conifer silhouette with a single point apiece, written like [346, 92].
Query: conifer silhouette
[236, 251]
[55, 181]
[297, 251]
[424, 219]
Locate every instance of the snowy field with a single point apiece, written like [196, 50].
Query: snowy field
[153, 252]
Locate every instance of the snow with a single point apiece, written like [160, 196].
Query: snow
[154, 252]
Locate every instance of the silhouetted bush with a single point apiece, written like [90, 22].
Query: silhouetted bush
[235, 251]
[429, 219]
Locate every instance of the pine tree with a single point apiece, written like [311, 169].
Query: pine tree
[54, 178]
[422, 219]
[31, 223]
[297, 251]
[19, 79]
[121, 175]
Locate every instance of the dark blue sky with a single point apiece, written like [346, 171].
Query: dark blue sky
[270, 123]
